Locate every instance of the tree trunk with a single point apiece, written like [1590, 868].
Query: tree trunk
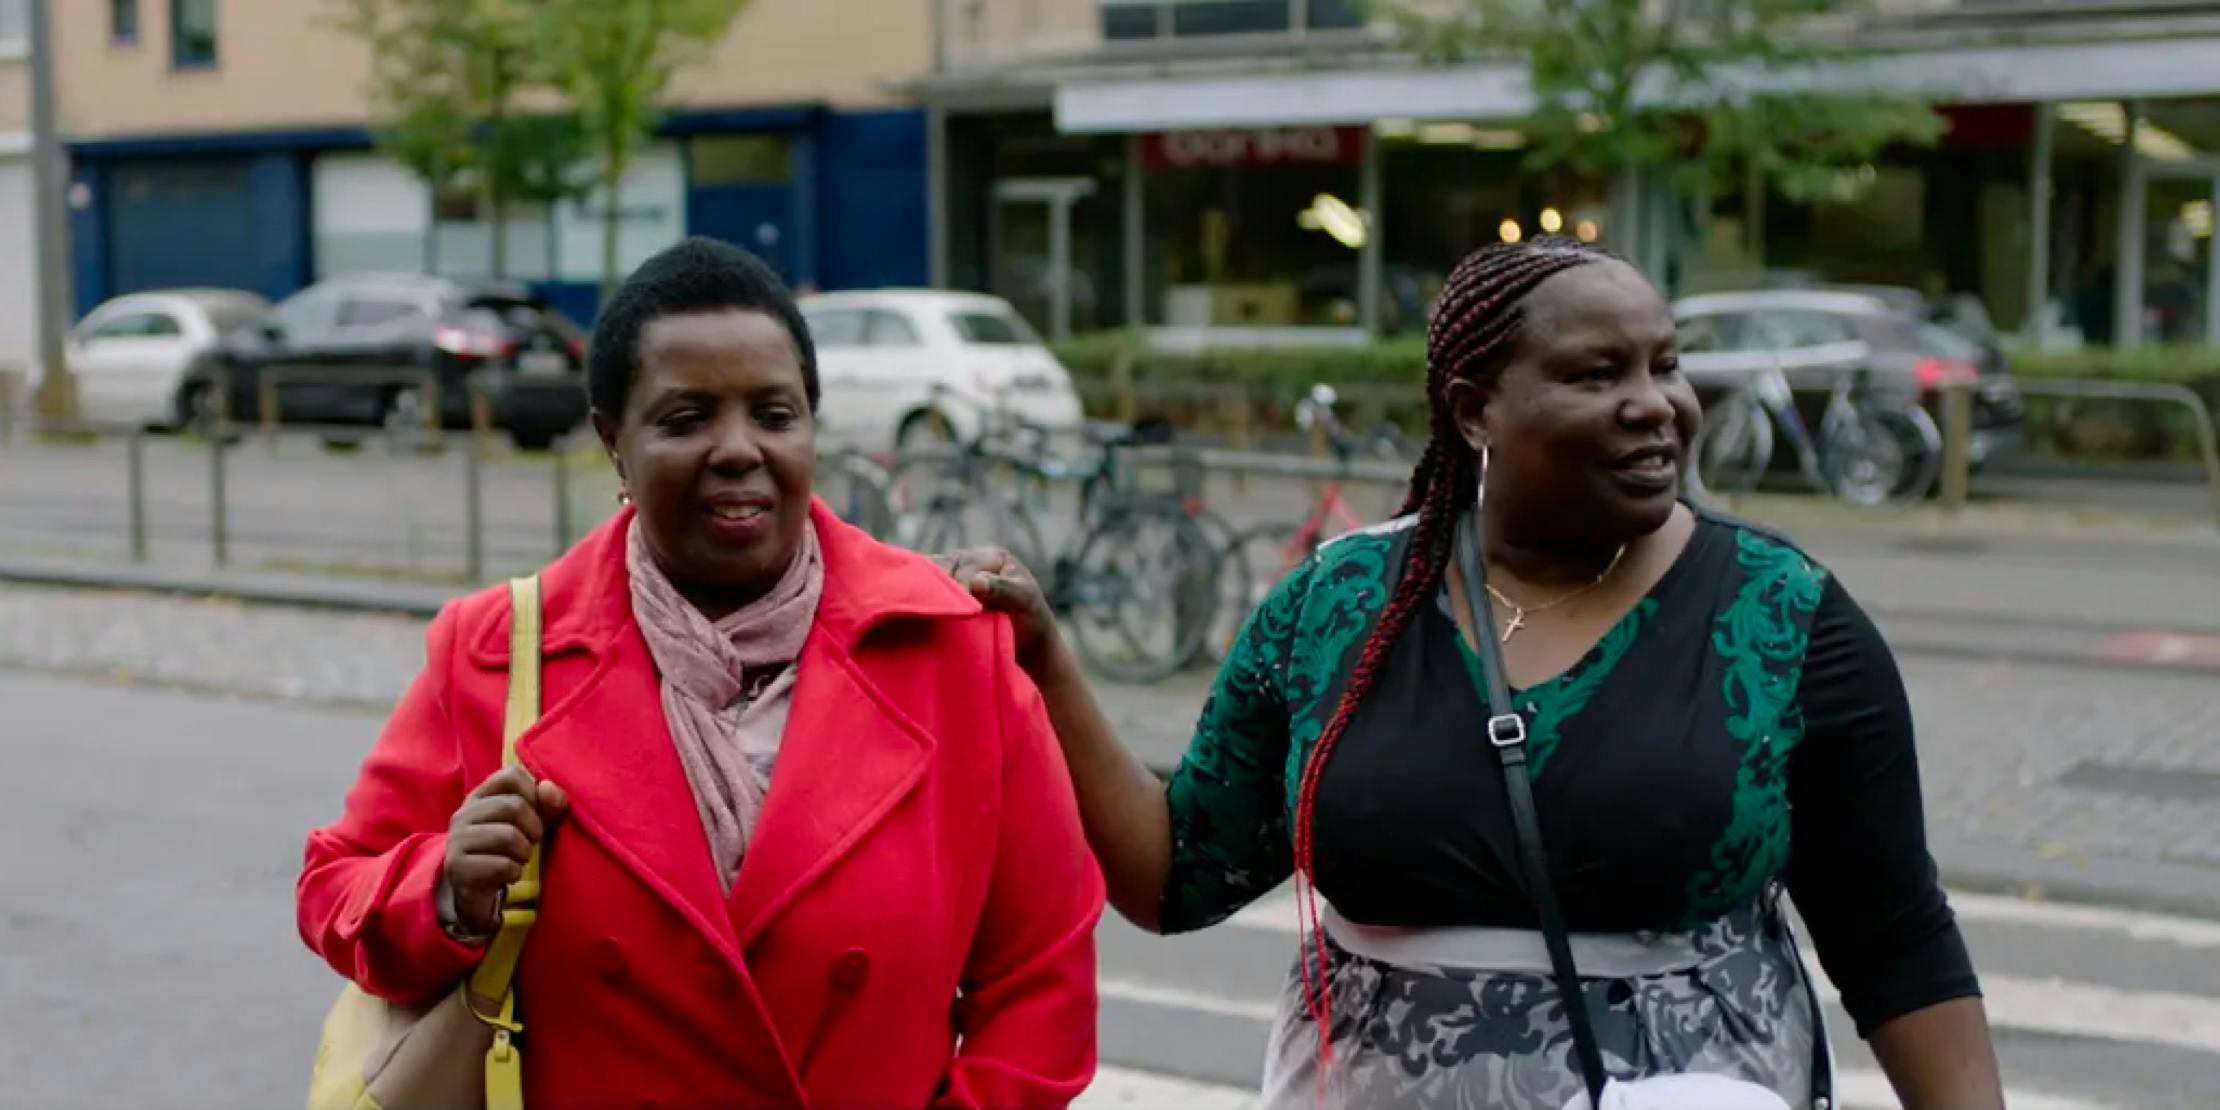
[1625, 231]
[497, 210]
[611, 183]
[1753, 213]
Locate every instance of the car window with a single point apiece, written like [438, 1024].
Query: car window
[1943, 342]
[306, 314]
[834, 327]
[372, 312]
[992, 328]
[1788, 331]
[230, 316]
[137, 325]
[888, 329]
[1711, 335]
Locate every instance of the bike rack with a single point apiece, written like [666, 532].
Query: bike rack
[2208, 441]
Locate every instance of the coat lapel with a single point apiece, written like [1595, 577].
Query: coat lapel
[849, 754]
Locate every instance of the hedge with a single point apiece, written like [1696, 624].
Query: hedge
[1382, 379]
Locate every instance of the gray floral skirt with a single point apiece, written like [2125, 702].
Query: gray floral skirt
[1458, 1019]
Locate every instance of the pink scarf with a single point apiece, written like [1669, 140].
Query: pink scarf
[726, 686]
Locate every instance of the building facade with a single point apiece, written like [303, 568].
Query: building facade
[1199, 165]
[18, 247]
[245, 123]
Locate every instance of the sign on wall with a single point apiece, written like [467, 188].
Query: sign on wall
[1272, 146]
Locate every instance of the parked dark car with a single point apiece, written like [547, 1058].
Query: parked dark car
[354, 352]
[1815, 335]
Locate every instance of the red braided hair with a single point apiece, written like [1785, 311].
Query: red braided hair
[1475, 324]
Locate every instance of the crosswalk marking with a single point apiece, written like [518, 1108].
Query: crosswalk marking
[2045, 1005]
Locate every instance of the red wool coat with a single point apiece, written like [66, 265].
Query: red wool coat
[913, 923]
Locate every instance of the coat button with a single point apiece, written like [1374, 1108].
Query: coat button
[851, 969]
[608, 960]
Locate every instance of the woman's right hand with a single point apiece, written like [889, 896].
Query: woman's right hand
[1002, 583]
[489, 840]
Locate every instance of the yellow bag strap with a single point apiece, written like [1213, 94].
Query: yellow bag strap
[494, 981]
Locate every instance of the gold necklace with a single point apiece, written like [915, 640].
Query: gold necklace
[1519, 612]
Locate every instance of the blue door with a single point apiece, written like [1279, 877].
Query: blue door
[754, 217]
[182, 222]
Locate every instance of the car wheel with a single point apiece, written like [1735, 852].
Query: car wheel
[199, 410]
[407, 419]
[923, 429]
[533, 440]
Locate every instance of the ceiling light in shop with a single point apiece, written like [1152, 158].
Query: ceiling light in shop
[1553, 221]
[1332, 215]
[2108, 121]
[1510, 231]
[1588, 231]
[2196, 218]
[1396, 128]
[1445, 134]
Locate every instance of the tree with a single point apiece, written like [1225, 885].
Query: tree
[1626, 87]
[614, 60]
[446, 80]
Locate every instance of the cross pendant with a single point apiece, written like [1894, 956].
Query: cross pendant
[1518, 621]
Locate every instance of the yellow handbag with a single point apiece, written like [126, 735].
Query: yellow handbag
[453, 1054]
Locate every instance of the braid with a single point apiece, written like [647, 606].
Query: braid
[1474, 327]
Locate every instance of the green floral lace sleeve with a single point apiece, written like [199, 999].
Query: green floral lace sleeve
[1230, 842]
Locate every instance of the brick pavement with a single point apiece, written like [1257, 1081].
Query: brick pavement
[1996, 737]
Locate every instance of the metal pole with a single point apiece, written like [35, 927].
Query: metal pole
[135, 486]
[57, 393]
[1059, 267]
[2039, 192]
[936, 191]
[562, 499]
[268, 402]
[1136, 237]
[218, 528]
[2212, 273]
[9, 383]
[1372, 259]
[2127, 273]
[474, 511]
[1957, 433]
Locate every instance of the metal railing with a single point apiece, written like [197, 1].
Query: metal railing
[271, 383]
[1958, 419]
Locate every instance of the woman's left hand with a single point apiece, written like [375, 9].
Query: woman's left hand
[1003, 584]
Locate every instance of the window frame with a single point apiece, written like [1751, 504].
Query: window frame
[179, 61]
[118, 33]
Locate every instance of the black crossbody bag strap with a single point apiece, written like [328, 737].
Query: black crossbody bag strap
[1507, 735]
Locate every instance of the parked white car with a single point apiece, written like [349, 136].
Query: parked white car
[896, 365]
[128, 357]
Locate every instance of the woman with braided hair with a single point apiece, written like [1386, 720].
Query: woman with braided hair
[1709, 718]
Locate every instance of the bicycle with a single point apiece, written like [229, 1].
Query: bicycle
[1868, 450]
[1277, 548]
[1135, 578]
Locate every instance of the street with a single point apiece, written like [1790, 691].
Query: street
[151, 839]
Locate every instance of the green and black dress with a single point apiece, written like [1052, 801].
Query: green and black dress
[1744, 727]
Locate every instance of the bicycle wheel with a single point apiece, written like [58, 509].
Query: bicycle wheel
[1882, 454]
[1233, 581]
[1735, 445]
[856, 489]
[1141, 592]
[1265, 553]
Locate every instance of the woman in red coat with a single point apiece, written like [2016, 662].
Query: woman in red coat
[809, 838]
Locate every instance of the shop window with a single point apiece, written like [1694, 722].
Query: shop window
[740, 160]
[15, 24]
[1149, 19]
[192, 33]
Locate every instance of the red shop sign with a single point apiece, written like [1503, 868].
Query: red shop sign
[1279, 146]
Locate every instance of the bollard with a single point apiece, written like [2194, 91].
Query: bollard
[217, 525]
[267, 396]
[10, 381]
[562, 498]
[1957, 438]
[474, 511]
[135, 491]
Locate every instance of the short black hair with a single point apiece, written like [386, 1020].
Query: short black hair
[697, 275]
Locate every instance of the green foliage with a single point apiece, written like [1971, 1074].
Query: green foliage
[614, 61]
[1641, 84]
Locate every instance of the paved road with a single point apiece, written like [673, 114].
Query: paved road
[149, 840]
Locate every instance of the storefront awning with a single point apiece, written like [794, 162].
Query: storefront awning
[2173, 67]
